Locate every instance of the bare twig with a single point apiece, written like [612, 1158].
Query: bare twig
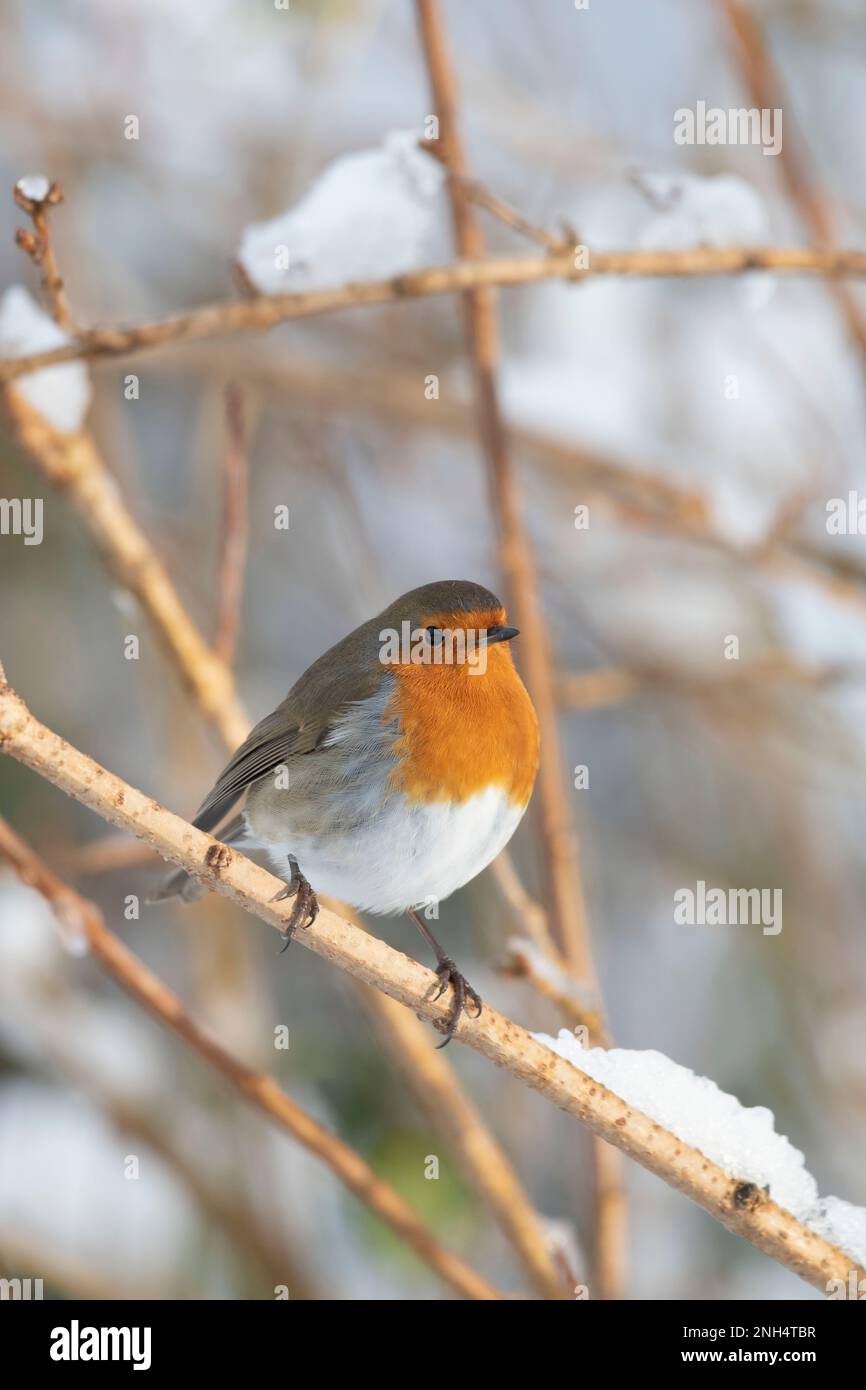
[509, 216]
[216, 320]
[234, 528]
[35, 195]
[260, 1090]
[759, 1219]
[553, 980]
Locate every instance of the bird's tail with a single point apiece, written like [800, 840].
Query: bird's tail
[180, 884]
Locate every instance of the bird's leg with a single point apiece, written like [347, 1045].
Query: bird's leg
[448, 974]
[306, 908]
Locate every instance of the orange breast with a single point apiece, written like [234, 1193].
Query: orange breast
[461, 733]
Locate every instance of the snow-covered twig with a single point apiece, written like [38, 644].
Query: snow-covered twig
[257, 1088]
[35, 194]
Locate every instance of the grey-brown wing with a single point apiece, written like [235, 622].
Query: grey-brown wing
[269, 744]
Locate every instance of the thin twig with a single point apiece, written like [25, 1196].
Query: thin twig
[553, 980]
[230, 581]
[260, 1090]
[216, 320]
[38, 245]
[509, 216]
[759, 1220]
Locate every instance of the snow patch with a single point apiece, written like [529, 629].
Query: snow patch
[741, 1139]
[60, 394]
[369, 215]
[34, 186]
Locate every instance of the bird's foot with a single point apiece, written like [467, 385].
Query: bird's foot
[464, 995]
[306, 907]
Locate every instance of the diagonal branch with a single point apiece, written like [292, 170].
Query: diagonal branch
[760, 1220]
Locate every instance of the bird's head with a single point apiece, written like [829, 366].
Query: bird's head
[450, 625]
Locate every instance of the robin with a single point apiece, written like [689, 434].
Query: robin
[395, 769]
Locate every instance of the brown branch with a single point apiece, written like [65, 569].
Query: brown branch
[234, 528]
[260, 1090]
[759, 1220]
[38, 246]
[216, 320]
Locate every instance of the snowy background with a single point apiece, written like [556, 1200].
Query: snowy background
[257, 127]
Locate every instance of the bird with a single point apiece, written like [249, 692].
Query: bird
[395, 770]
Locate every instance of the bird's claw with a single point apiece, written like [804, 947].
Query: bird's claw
[464, 995]
[306, 907]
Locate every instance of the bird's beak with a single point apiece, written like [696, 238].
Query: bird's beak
[501, 634]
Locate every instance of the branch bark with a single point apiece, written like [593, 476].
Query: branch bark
[759, 1220]
[216, 320]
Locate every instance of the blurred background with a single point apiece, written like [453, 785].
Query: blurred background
[704, 423]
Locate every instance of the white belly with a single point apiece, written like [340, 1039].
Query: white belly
[411, 854]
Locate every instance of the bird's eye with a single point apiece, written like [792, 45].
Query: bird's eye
[435, 635]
